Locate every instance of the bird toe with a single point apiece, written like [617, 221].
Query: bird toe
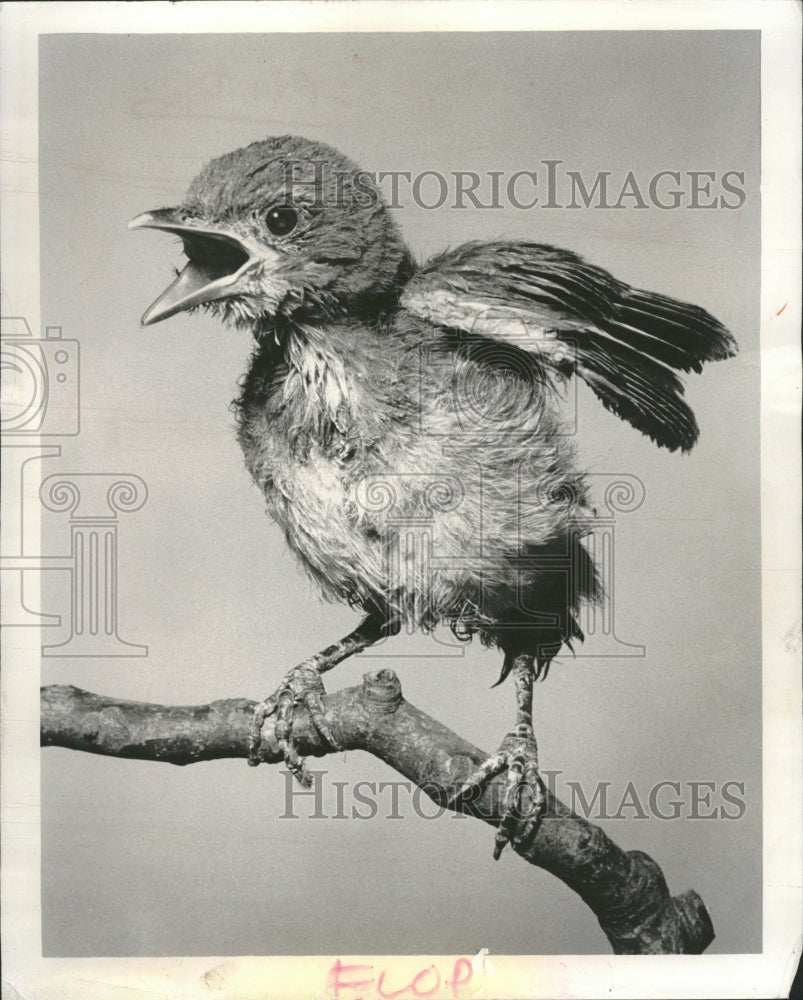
[301, 686]
[523, 800]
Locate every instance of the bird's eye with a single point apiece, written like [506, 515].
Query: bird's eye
[281, 220]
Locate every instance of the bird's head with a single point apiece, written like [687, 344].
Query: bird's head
[285, 228]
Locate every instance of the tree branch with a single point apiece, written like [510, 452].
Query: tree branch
[626, 890]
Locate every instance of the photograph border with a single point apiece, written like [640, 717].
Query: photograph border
[30, 976]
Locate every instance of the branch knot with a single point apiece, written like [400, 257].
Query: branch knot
[382, 690]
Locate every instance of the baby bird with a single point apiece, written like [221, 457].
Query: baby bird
[403, 420]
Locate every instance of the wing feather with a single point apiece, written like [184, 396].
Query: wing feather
[623, 342]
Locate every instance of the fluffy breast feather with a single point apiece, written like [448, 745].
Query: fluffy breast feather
[407, 472]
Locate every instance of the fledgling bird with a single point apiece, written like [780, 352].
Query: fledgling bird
[383, 395]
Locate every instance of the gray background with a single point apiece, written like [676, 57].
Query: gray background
[146, 859]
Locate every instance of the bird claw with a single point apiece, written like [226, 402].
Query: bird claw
[301, 686]
[524, 799]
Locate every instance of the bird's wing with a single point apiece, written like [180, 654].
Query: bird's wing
[576, 317]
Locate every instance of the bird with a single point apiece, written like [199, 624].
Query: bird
[384, 393]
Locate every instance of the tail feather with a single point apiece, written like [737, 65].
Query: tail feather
[556, 595]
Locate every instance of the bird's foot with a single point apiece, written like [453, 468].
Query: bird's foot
[301, 686]
[524, 799]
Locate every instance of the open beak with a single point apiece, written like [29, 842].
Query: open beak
[218, 261]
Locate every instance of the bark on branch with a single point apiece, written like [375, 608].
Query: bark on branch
[625, 890]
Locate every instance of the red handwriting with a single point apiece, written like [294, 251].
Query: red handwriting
[344, 981]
